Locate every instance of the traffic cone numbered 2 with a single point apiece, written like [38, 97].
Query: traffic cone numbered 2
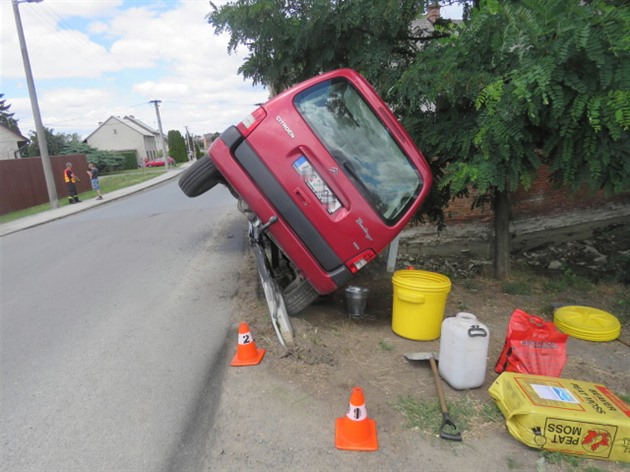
[355, 431]
[246, 351]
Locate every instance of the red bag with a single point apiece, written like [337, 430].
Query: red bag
[532, 346]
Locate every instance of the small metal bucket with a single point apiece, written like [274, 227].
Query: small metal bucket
[356, 301]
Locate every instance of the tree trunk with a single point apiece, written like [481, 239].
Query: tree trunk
[501, 235]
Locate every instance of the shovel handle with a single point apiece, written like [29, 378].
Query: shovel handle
[446, 419]
[438, 385]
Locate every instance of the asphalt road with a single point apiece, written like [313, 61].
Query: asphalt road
[114, 322]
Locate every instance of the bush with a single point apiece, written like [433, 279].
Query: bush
[105, 161]
[131, 160]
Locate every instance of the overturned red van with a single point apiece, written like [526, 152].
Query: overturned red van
[327, 177]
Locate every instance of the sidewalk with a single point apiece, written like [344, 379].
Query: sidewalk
[57, 213]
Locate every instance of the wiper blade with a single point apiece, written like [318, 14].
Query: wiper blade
[350, 168]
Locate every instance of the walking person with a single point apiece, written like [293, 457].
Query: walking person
[71, 179]
[96, 185]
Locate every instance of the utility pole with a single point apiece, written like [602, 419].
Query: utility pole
[159, 120]
[39, 127]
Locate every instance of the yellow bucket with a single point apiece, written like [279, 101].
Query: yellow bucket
[419, 304]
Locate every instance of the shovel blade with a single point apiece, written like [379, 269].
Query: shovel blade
[420, 356]
[449, 430]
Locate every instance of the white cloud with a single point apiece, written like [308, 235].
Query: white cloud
[173, 90]
[91, 60]
[83, 9]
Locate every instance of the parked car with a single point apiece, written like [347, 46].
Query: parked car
[327, 178]
[159, 162]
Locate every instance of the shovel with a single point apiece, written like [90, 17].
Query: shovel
[448, 430]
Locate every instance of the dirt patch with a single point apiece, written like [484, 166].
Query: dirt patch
[333, 353]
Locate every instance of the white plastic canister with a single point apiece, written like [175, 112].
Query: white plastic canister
[463, 351]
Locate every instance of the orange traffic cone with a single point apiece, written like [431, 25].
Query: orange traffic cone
[355, 431]
[246, 351]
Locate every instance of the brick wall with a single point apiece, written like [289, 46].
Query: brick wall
[542, 199]
[544, 214]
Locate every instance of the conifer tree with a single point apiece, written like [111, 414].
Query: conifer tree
[177, 146]
[6, 117]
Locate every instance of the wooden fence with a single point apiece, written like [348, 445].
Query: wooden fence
[22, 182]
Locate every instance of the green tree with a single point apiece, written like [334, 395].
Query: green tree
[520, 84]
[198, 151]
[60, 144]
[292, 41]
[177, 146]
[6, 117]
[55, 142]
[526, 83]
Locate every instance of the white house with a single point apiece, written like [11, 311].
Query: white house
[126, 134]
[10, 143]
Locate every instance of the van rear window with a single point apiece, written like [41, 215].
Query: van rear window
[357, 139]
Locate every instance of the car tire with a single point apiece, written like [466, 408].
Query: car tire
[199, 177]
[298, 296]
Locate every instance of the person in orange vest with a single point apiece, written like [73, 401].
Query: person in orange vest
[71, 179]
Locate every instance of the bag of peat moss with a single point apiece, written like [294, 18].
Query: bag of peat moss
[563, 415]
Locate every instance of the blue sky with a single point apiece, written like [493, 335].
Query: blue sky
[94, 59]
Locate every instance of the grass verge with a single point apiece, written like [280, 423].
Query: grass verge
[109, 183]
[466, 412]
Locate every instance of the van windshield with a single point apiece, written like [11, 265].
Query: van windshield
[357, 139]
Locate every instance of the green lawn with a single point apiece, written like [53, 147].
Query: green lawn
[109, 183]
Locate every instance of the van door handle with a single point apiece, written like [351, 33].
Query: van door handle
[303, 199]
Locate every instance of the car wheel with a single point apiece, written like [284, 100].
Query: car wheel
[298, 296]
[200, 177]
[297, 292]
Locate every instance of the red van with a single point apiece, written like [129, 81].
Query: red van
[327, 177]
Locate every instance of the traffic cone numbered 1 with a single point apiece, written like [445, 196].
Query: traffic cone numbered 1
[246, 351]
[355, 431]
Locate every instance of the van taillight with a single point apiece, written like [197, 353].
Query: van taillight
[251, 121]
[356, 263]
